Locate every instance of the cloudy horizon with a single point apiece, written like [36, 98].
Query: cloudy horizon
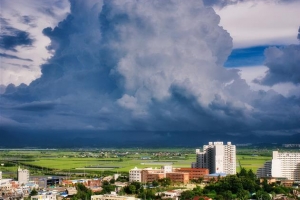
[158, 69]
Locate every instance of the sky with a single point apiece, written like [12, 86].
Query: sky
[148, 72]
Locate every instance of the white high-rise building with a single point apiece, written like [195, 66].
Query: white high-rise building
[135, 174]
[23, 176]
[217, 157]
[283, 164]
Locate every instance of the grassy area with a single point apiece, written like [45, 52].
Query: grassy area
[120, 164]
[122, 160]
[62, 161]
[251, 162]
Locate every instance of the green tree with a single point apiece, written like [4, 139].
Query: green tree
[112, 181]
[266, 186]
[198, 191]
[33, 192]
[187, 195]
[107, 189]
[249, 184]
[266, 196]
[165, 182]
[251, 175]
[82, 192]
[242, 194]
[147, 194]
[219, 197]
[227, 195]
[243, 173]
[262, 195]
[132, 189]
[155, 183]
[105, 183]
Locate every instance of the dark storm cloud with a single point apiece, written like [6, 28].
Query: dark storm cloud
[283, 65]
[143, 66]
[35, 106]
[4, 55]
[2, 89]
[11, 37]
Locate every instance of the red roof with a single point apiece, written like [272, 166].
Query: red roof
[199, 197]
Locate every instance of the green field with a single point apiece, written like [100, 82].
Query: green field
[251, 162]
[91, 162]
[97, 162]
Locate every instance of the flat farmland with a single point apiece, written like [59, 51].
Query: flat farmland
[251, 162]
[96, 162]
[123, 164]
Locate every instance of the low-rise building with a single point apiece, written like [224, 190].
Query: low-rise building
[150, 175]
[112, 197]
[178, 177]
[214, 176]
[50, 196]
[170, 194]
[194, 173]
[135, 174]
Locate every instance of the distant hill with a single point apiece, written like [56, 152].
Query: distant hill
[71, 139]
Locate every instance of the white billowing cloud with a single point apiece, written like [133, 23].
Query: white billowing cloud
[254, 23]
[253, 73]
[164, 53]
[144, 65]
[32, 17]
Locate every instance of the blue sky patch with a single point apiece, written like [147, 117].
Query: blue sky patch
[246, 57]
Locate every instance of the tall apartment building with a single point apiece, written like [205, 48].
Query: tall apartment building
[265, 171]
[283, 164]
[217, 157]
[23, 176]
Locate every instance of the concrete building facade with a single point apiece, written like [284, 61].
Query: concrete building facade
[194, 173]
[217, 158]
[178, 177]
[182, 175]
[283, 165]
[23, 176]
[149, 175]
[135, 174]
[265, 171]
